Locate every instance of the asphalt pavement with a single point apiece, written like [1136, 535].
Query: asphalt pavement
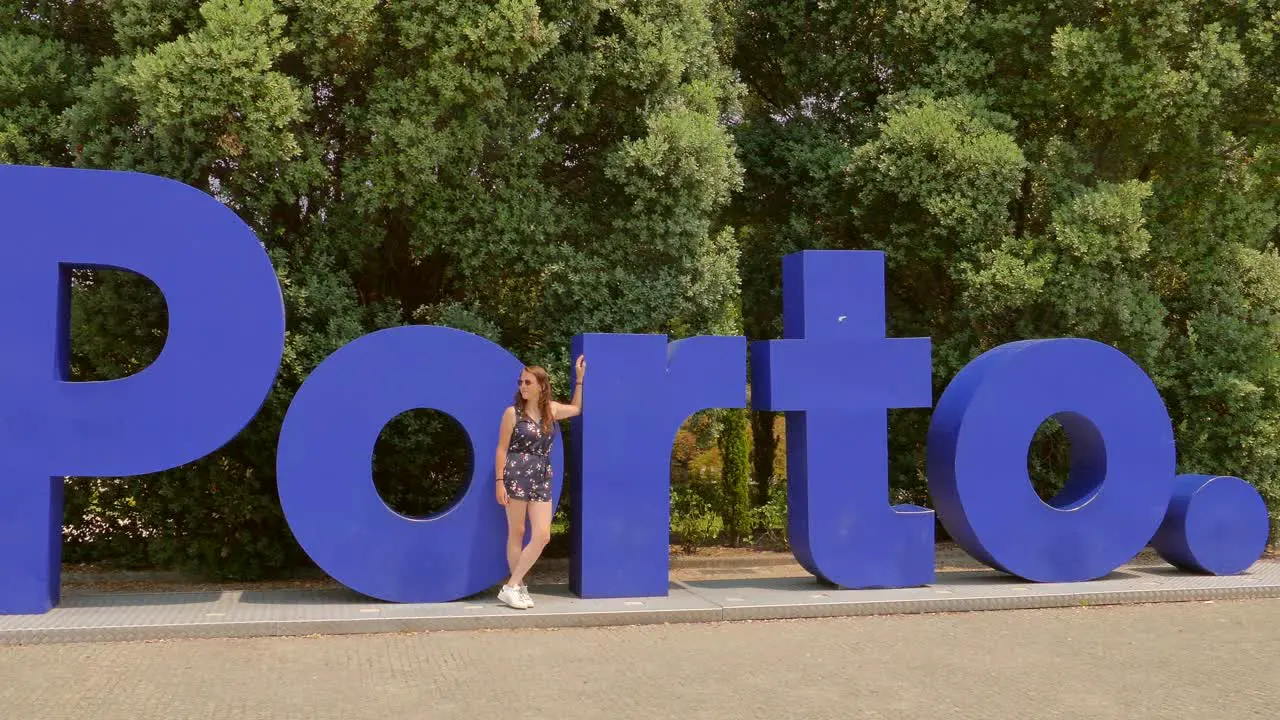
[1177, 660]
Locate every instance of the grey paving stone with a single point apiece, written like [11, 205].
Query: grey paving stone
[1169, 661]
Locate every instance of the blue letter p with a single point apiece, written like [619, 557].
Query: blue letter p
[226, 336]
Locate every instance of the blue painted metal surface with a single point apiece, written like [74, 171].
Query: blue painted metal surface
[325, 471]
[837, 376]
[1215, 525]
[641, 391]
[1122, 459]
[225, 340]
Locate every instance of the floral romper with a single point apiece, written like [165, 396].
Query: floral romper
[527, 475]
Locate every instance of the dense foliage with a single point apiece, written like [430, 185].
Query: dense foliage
[1036, 168]
[528, 169]
[521, 170]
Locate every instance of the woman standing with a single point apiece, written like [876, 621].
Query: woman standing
[524, 472]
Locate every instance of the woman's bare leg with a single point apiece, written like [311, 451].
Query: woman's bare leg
[540, 520]
[516, 510]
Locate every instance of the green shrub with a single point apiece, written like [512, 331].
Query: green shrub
[770, 519]
[694, 520]
[735, 483]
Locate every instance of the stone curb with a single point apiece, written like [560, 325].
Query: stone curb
[590, 619]
[234, 614]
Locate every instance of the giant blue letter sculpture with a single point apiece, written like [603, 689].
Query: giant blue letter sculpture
[837, 376]
[1122, 453]
[325, 471]
[835, 373]
[226, 336]
[641, 391]
[1215, 525]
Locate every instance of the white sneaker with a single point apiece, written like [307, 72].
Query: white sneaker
[512, 597]
[524, 595]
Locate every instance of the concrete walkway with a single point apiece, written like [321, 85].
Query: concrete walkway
[1198, 661]
[89, 616]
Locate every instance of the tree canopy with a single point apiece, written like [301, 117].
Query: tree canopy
[1036, 169]
[529, 169]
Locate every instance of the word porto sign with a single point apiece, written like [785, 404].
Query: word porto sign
[835, 374]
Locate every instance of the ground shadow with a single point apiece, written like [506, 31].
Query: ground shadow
[995, 577]
[81, 599]
[317, 596]
[561, 591]
[346, 596]
[808, 582]
[946, 578]
[1169, 571]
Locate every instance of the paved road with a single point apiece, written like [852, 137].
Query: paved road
[1202, 660]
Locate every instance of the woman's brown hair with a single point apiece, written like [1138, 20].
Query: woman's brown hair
[544, 396]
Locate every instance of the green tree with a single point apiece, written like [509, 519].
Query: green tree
[734, 441]
[1035, 169]
[736, 474]
[523, 170]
